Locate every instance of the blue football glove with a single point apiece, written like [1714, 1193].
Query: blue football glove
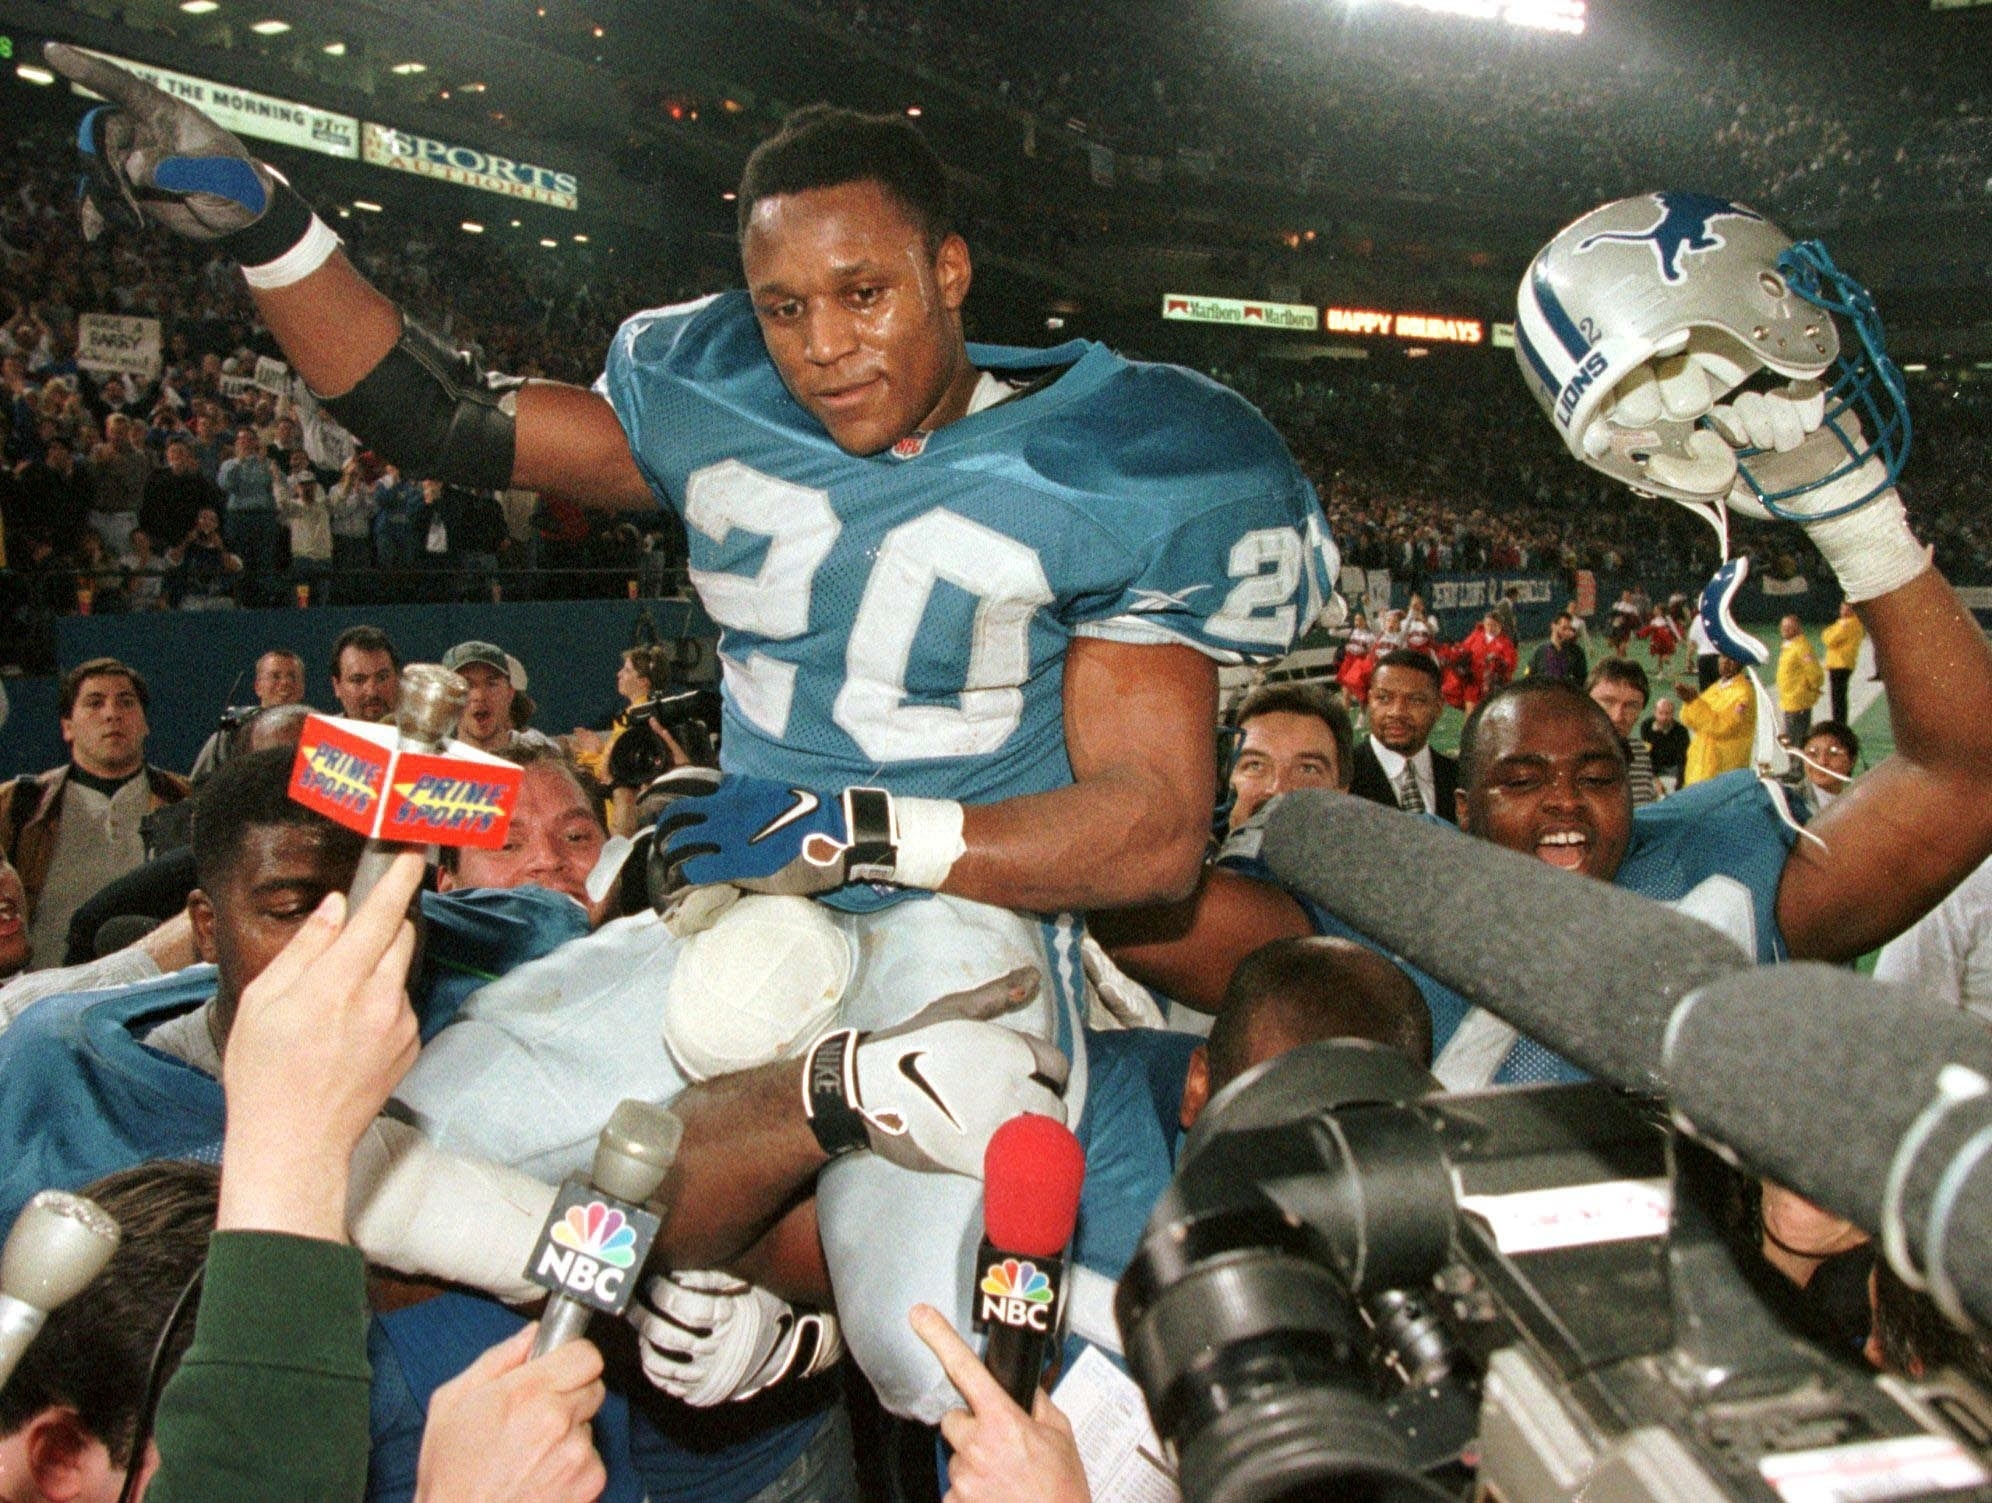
[149, 156]
[764, 836]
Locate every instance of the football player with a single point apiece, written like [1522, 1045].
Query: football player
[973, 602]
[1664, 304]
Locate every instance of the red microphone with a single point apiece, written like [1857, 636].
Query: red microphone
[1032, 1172]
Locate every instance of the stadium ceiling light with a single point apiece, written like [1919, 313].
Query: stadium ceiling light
[335, 49]
[270, 28]
[913, 110]
[33, 74]
[580, 239]
[405, 69]
[729, 195]
[472, 227]
[199, 7]
[1913, 368]
[361, 203]
[550, 244]
[515, 224]
[472, 88]
[1416, 352]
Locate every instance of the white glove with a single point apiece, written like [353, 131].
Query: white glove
[709, 1338]
[1870, 549]
[1118, 1000]
[928, 1093]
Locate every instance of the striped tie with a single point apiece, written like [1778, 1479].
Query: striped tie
[1409, 798]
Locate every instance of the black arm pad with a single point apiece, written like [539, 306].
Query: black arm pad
[433, 413]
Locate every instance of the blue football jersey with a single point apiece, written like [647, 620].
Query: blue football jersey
[901, 619]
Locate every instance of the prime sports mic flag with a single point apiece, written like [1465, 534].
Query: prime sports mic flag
[356, 774]
[593, 1247]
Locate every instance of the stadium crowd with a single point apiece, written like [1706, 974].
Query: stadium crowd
[191, 986]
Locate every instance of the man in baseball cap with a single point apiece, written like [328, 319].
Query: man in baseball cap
[496, 678]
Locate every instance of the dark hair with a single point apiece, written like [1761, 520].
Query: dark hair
[1841, 732]
[247, 792]
[72, 682]
[95, 1351]
[653, 664]
[1316, 987]
[1526, 688]
[1621, 671]
[1304, 699]
[1914, 1337]
[823, 146]
[366, 639]
[1417, 662]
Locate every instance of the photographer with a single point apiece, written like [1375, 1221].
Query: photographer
[645, 674]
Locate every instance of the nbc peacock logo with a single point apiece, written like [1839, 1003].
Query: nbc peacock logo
[1015, 1280]
[1016, 1292]
[599, 1232]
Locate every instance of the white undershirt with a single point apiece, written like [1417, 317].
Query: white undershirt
[1392, 764]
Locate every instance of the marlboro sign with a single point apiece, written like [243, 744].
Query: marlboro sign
[356, 774]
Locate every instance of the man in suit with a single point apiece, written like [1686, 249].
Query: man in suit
[1289, 736]
[1396, 765]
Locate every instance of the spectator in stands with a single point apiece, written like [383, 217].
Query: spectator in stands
[175, 495]
[1722, 722]
[1800, 680]
[1619, 687]
[1396, 765]
[1561, 656]
[302, 503]
[249, 481]
[1831, 751]
[211, 442]
[399, 523]
[1667, 743]
[465, 533]
[201, 572]
[73, 828]
[495, 678]
[54, 493]
[1290, 736]
[144, 573]
[1842, 640]
[120, 467]
[351, 504]
[366, 673]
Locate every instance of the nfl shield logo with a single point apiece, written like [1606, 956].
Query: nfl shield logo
[910, 447]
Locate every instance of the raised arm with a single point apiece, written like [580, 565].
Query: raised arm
[404, 391]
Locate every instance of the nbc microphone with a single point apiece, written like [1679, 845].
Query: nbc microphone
[1032, 1173]
[591, 1253]
[60, 1242]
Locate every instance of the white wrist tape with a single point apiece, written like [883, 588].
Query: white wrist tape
[929, 841]
[420, 1209]
[297, 263]
[1871, 550]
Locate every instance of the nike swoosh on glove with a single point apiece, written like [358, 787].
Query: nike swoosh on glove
[928, 1093]
[771, 837]
[709, 1338]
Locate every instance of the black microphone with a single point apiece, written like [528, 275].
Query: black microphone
[60, 1242]
[598, 1235]
[1583, 967]
[1866, 1098]
[1032, 1172]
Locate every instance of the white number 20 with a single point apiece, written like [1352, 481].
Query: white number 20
[1004, 577]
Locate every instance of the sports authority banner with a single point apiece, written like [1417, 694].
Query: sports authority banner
[1424, 327]
[248, 113]
[110, 343]
[1460, 600]
[1188, 308]
[404, 151]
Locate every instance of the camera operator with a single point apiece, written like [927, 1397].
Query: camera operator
[279, 680]
[642, 679]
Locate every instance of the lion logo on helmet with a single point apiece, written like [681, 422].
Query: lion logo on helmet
[1683, 227]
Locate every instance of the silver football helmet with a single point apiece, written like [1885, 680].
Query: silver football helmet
[1643, 314]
